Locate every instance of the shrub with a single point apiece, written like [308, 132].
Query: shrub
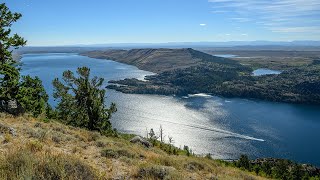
[157, 172]
[76, 149]
[56, 138]
[111, 153]
[7, 138]
[93, 136]
[38, 134]
[194, 166]
[208, 156]
[26, 164]
[244, 162]
[34, 146]
[100, 143]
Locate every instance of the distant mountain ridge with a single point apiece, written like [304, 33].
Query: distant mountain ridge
[305, 43]
[158, 60]
[298, 45]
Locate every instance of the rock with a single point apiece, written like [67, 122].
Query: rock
[141, 140]
[6, 129]
[12, 131]
[12, 104]
[11, 107]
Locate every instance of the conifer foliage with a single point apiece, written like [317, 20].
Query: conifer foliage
[8, 41]
[17, 94]
[82, 101]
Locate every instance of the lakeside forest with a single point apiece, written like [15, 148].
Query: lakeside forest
[188, 71]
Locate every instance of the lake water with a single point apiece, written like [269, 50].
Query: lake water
[263, 71]
[223, 127]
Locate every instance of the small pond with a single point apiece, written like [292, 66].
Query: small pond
[264, 71]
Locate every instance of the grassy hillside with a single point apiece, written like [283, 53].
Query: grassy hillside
[39, 150]
[157, 60]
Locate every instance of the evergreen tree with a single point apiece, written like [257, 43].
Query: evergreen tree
[28, 92]
[9, 82]
[8, 41]
[32, 95]
[9, 75]
[152, 135]
[82, 102]
[244, 162]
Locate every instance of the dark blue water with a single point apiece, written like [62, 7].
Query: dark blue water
[223, 127]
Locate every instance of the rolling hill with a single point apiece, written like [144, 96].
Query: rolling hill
[158, 60]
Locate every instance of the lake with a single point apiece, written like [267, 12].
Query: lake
[264, 71]
[224, 127]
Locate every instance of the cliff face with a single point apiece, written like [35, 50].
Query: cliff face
[154, 60]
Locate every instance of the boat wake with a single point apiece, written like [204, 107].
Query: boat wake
[230, 134]
[200, 95]
[217, 130]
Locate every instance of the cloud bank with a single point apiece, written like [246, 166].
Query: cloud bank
[283, 16]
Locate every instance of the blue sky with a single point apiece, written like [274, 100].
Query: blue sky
[70, 22]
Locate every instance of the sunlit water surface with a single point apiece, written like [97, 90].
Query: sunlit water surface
[223, 127]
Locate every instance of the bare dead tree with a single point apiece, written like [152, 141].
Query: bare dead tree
[161, 134]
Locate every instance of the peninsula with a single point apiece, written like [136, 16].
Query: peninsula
[188, 71]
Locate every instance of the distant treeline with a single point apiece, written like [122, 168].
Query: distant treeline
[277, 168]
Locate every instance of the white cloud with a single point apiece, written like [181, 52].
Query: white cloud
[219, 11]
[295, 16]
[295, 29]
[241, 19]
[244, 34]
[203, 24]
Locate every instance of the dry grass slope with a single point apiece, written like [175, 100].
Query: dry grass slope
[55, 151]
[154, 60]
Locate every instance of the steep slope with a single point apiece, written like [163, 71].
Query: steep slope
[52, 150]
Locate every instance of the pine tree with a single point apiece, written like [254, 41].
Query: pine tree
[82, 102]
[9, 75]
[32, 95]
[8, 41]
[26, 94]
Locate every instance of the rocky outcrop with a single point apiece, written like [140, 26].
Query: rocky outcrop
[138, 139]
